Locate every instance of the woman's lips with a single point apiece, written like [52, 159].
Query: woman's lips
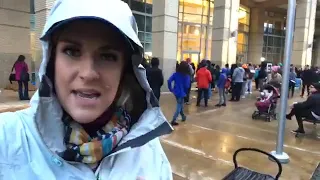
[86, 99]
[89, 94]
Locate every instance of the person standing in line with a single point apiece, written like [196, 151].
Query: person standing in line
[203, 78]
[181, 80]
[250, 78]
[237, 81]
[155, 77]
[307, 76]
[211, 87]
[228, 69]
[221, 87]
[217, 72]
[22, 76]
[292, 81]
[256, 74]
[244, 88]
[191, 74]
[262, 76]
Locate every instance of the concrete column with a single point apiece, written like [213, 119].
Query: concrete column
[316, 58]
[224, 35]
[14, 35]
[164, 34]
[304, 31]
[256, 35]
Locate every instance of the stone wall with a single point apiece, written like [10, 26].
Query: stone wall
[14, 35]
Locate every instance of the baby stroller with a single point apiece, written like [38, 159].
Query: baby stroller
[246, 174]
[267, 103]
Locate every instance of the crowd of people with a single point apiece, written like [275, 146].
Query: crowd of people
[239, 80]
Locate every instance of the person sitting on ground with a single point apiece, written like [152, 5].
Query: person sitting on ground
[309, 109]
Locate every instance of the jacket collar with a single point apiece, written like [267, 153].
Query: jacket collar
[48, 119]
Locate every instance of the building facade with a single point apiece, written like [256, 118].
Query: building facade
[223, 31]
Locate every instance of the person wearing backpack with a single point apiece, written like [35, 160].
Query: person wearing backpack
[22, 77]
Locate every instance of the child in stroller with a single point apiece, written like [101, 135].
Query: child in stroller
[267, 103]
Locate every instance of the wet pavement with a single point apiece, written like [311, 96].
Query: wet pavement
[9, 101]
[203, 146]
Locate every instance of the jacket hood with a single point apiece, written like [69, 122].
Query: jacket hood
[224, 70]
[46, 109]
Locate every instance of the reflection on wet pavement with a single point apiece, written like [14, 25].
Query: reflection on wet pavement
[202, 147]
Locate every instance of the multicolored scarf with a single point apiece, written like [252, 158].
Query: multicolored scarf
[81, 147]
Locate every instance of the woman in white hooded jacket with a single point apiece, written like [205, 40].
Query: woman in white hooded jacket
[94, 115]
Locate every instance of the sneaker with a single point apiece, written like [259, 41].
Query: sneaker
[173, 123]
[243, 97]
[288, 117]
[223, 105]
[187, 103]
[218, 105]
[250, 92]
[298, 131]
[184, 118]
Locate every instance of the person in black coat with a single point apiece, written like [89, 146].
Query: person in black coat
[262, 75]
[155, 77]
[308, 109]
[308, 77]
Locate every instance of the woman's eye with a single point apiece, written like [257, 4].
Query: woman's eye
[72, 52]
[108, 57]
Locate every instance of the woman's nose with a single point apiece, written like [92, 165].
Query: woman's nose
[89, 70]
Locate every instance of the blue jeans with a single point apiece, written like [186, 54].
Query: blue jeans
[179, 110]
[222, 96]
[23, 92]
[209, 93]
[249, 85]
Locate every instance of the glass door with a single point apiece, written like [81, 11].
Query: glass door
[193, 55]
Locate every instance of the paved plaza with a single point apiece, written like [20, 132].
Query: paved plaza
[202, 147]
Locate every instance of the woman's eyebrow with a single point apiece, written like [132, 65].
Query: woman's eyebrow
[109, 47]
[71, 41]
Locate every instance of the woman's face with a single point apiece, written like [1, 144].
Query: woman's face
[88, 67]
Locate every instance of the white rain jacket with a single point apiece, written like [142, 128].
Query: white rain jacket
[30, 139]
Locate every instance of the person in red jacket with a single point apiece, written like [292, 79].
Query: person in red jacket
[203, 78]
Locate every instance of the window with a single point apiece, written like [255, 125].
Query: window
[243, 33]
[273, 41]
[195, 29]
[142, 11]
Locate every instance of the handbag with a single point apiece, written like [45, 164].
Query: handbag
[12, 76]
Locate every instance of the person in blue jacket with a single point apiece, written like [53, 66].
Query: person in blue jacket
[181, 79]
[221, 87]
